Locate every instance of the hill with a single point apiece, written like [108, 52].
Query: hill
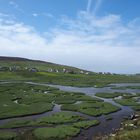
[22, 69]
[17, 63]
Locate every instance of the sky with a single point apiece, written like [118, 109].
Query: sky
[96, 35]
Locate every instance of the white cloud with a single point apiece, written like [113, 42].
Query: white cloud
[93, 6]
[35, 14]
[48, 15]
[97, 6]
[89, 5]
[90, 42]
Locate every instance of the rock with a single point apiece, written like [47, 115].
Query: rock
[135, 119]
[133, 116]
[112, 135]
[137, 116]
[131, 124]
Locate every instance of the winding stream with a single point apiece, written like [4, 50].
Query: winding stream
[105, 127]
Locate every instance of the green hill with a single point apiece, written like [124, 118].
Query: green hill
[17, 64]
[21, 69]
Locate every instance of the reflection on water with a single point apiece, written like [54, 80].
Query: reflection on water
[105, 126]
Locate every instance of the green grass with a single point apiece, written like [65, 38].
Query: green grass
[86, 124]
[119, 88]
[57, 118]
[18, 124]
[127, 102]
[26, 99]
[59, 132]
[130, 130]
[80, 80]
[13, 110]
[6, 135]
[126, 87]
[127, 135]
[40, 65]
[91, 108]
[30, 99]
[111, 95]
[61, 117]
[20, 99]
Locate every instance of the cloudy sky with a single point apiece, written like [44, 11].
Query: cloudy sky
[98, 35]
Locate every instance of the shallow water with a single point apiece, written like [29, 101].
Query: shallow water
[105, 127]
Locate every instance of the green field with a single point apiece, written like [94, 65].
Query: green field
[80, 80]
[6, 135]
[21, 99]
[126, 87]
[86, 124]
[112, 95]
[55, 119]
[92, 108]
[59, 132]
[73, 77]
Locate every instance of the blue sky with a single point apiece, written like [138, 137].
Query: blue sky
[98, 35]
[32, 12]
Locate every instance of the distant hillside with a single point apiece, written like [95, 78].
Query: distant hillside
[22, 69]
[17, 63]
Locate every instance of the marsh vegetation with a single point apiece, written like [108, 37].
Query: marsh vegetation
[30, 108]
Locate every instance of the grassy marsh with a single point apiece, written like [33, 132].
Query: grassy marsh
[111, 95]
[54, 119]
[6, 135]
[91, 108]
[58, 132]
